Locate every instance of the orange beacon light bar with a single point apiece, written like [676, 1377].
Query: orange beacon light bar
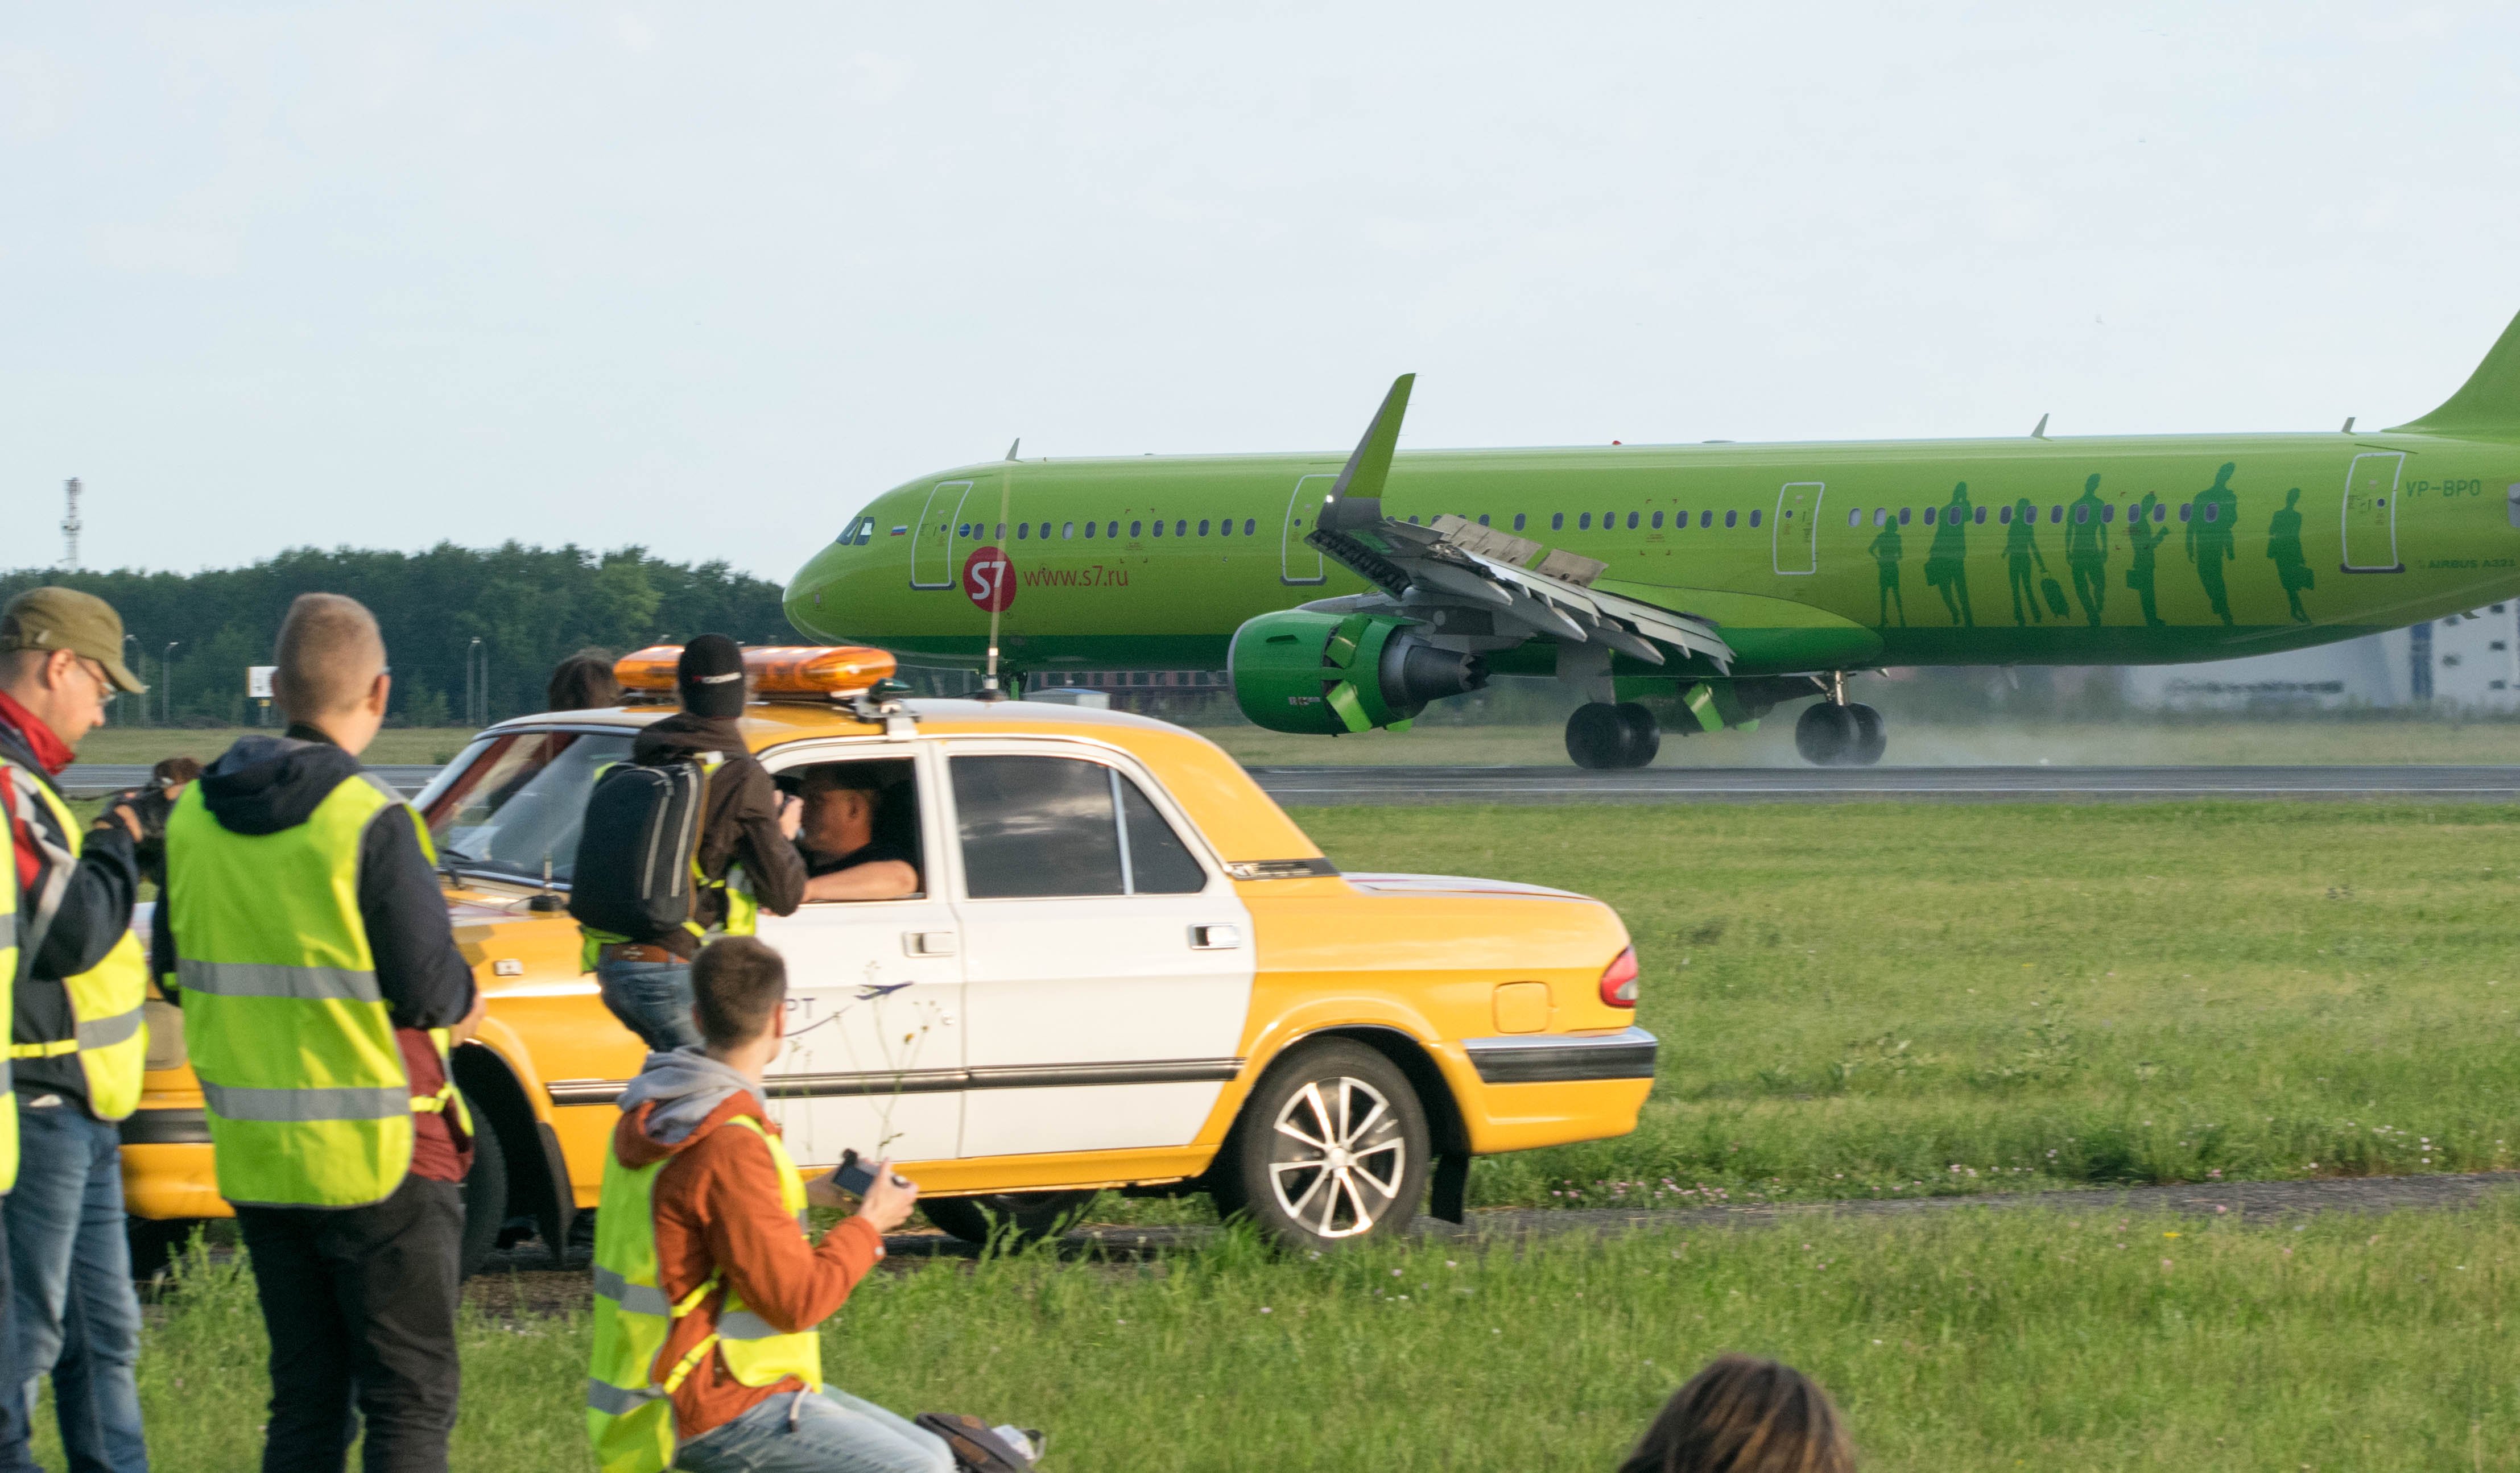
[772, 669]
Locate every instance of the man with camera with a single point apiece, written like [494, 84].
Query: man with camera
[76, 1045]
[707, 1288]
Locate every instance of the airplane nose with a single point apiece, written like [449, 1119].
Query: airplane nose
[813, 603]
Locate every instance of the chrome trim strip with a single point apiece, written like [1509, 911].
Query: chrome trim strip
[1161, 1071]
[1289, 868]
[1553, 1057]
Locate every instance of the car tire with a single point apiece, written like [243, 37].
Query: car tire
[486, 1193]
[1018, 1217]
[154, 1242]
[1331, 1149]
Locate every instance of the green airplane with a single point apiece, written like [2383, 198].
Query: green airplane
[1692, 588]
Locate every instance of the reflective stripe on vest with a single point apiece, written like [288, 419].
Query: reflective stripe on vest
[309, 1104]
[629, 1406]
[106, 1030]
[9, 775]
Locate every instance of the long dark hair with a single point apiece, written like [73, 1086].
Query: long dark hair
[1743, 1414]
[582, 683]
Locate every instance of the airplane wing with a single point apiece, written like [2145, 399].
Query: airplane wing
[1493, 588]
[1480, 588]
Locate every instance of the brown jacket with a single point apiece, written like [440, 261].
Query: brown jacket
[718, 1211]
[738, 822]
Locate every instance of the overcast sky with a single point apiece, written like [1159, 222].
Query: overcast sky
[707, 278]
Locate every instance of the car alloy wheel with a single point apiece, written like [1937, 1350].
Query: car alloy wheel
[1338, 1157]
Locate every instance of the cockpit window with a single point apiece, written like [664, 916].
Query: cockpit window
[859, 533]
[513, 801]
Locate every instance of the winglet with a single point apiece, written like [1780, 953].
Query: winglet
[1012, 449]
[2488, 404]
[2041, 432]
[1356, 497]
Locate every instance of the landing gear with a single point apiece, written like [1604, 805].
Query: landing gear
[1602, 735]
[1834, 734]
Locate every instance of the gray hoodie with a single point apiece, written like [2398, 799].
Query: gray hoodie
[686, 1086]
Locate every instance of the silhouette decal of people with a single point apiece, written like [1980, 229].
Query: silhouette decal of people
[2144, 537]
[2087, 550]
[2020, 551]
[2209, 540]
[1947, 561]
[2284, 545]
[1887, 548]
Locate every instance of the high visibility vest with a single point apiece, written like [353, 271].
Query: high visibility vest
[629, 1397]
[309, 1104]
[8, 995]
[108, 1034]
[743, 909]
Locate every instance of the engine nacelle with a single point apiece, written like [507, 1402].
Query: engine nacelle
[1323, 674]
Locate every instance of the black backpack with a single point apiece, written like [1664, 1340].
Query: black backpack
[635, 851]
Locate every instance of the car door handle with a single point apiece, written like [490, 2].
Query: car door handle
[1215, 938]
[927, 943]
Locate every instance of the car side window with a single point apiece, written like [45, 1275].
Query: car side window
[1039, 826]
[1036, 826]
[1158, 862]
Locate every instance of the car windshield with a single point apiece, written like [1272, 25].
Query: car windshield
[511, 805]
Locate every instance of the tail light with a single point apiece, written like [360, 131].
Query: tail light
[1619, 982]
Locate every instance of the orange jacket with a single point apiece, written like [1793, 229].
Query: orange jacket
[718, 1212]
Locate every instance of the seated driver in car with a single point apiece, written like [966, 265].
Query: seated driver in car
[844, 860]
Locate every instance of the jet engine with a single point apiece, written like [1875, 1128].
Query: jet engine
[1312, 673]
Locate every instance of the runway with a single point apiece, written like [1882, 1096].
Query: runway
[1321, 786]
[1325, 787]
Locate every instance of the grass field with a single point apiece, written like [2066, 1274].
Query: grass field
[1912, 743]
[1953, 1344]
[1900, 999]
[395, 745]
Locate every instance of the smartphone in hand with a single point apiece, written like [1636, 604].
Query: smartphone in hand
[854, 1177]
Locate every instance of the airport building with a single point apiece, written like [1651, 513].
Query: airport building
[2469, 661]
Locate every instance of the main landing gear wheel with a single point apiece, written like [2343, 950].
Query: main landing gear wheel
[1602, 735]
[1871, 736]
[1332, 1148]
[1829, 735]
[1013, 1217]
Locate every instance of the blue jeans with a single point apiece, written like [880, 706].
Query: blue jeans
[74, 1311]
[801, 1432]
[652, 1000]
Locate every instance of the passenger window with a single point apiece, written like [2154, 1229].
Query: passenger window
[1022, 530]
[1089, 531]
[1157, 862]
[1706, 518]
[1657, 522]
[1137, 528]
[1517, 521]
[1159, 528]
[2055, 514]
[1181, 528]
[1111, 530]
[1731, 518]
[1556, 521]
[1203, 526]
[1632, 522]
[1754, 518]
[1585, 521]
[1036, 826]
[1247, 525]
[2002, 514]
[1066, 530]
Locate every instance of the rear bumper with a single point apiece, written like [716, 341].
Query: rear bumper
[171, 1181]
[1534, 1058]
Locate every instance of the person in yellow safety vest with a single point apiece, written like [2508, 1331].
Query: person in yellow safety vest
[707, 1289]
[305, 934]
[75, 1044]
[746, 858]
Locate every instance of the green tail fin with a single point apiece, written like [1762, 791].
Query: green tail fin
[2488, 404]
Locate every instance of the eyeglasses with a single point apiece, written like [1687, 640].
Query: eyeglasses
[106, 690]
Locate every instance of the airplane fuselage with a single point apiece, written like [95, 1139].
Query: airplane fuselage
[1808, 556]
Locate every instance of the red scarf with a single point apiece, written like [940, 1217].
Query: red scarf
[40, 738]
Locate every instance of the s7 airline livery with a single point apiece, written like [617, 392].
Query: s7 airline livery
[1694, 587]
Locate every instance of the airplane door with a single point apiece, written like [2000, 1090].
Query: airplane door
[2372, 513]
[1796, 534]
[931, 542]
[1297, 562]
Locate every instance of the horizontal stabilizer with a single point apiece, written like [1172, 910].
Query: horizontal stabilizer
[2488, 405]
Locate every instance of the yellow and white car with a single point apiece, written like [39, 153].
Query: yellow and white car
[1127, 968]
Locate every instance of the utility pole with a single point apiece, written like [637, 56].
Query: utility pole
[70, 526]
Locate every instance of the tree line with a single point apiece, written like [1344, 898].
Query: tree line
[193, 635]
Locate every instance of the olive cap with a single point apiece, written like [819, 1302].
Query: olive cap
[64, 618]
